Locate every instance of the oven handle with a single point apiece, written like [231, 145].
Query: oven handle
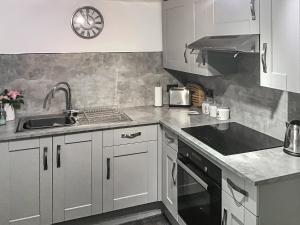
[192, 174]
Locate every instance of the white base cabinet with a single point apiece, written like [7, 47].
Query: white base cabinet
[26, 182]
[169, 172]
[129, 167]
[170, 179]
[243, 203]
[76, 169]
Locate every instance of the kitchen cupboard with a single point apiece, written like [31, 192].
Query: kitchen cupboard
[170, 179]
[169, 171]
[234, 213]
[280, 46]
[26, 182]
[235, 17]
[77, 174]
[177, 34]
[129, 167]
[249, 204]
[185, 21]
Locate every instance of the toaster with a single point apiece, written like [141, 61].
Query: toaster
[179, 96]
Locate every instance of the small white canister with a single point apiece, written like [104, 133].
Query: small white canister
[213, 110]
[223, 113]
[205, 107]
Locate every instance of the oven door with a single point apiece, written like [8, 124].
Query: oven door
[199, 198]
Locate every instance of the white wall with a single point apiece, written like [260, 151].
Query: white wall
[43, 26]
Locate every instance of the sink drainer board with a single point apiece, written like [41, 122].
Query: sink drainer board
[85, 117]
[110, 114]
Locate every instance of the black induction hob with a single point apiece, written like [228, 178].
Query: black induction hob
[233, 138]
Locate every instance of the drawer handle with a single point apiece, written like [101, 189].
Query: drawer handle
[130, 136]
[45, 158]
[237, 188]
[108, 168]
[170, 139]
[224, 219]
[173, 170]
[58, 161]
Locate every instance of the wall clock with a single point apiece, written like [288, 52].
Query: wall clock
[87, 22]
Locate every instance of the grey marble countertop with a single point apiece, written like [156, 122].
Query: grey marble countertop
[257, 167]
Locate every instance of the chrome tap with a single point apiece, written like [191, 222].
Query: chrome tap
[57, 88]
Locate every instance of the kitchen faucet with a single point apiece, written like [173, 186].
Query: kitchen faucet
[66, 90]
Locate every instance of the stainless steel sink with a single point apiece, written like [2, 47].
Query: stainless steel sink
[44, 121]
[85, 117]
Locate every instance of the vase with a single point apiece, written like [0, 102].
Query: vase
[10, 112]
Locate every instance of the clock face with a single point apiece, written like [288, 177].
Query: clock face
[87, 22]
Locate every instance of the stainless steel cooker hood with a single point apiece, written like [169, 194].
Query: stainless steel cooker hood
[230, 43]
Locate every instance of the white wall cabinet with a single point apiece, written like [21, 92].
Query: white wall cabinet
[177, 34]
[280, 46]
[76, 176]
[26, 180]
[129, 167]
[170, 179]
[235, 17]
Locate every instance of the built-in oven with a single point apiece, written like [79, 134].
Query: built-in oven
[199, 188]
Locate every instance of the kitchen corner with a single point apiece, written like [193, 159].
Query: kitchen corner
[188, 115]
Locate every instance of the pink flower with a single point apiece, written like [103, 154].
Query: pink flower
[13, 94]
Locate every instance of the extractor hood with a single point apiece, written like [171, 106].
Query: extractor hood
[230, 43]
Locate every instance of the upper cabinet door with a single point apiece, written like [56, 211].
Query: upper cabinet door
[177, 34]
[235, 17]
[280, 44]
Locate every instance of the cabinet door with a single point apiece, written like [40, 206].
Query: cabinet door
[280, 44]
[235, 17]
[30, 182]
[130, 175]
[233, 213]
[177, 34]
[203, 19]
[170, 179]
[72, 180]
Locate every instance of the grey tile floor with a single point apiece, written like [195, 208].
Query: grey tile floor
[155, 220]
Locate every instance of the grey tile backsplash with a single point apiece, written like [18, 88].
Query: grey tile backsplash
[97, 79]
[128, 79]
[258, 107]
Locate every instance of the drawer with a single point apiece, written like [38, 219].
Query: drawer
[130, 149]
[134, 135]
[170, 139]
[80, 137]
[234, 210]
[240, 190]
[24, 144]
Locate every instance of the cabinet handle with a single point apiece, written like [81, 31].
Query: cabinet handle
[130, 136]
[184, 54]
[173, 170]
[170, 139]
[224, 219]
[252, 8]
[237, 188]
[264, 57]
[45, 158]
[108, 168]
[58, 161]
